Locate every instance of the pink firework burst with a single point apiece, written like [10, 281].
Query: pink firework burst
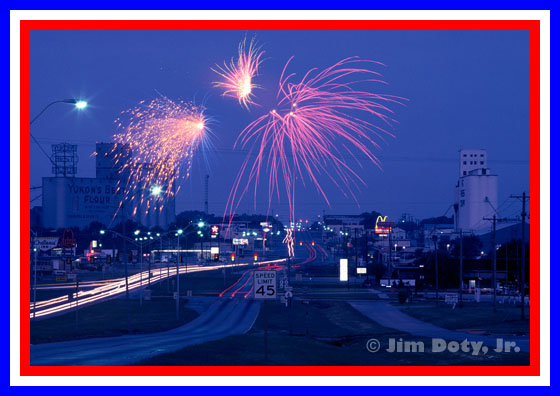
[320, 126]
[237, 76]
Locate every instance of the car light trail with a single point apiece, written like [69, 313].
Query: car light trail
[117, 287]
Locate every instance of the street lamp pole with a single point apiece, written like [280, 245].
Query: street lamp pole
[179, 232]
[125, 258]
[34, 273]
[437, 271]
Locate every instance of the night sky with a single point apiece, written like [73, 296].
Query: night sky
[466, 89]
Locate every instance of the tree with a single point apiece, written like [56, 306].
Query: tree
[472, 245]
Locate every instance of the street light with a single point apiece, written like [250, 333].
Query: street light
[78, 104]
[156, 190]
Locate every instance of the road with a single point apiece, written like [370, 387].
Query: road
[225, 317]
[233, 313]
[114, 288]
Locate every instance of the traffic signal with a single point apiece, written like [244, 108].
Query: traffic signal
[108, 259]
[256, 257]
[300, 243]
[180, 258]
[312, 243]
[232, 257]
[216, 257]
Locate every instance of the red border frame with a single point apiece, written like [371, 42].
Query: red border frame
[532, 369]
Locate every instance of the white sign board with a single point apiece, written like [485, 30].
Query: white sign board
[240, 241]
[264, 285]
[214, 250]
[343, 270]
[361, 270]
[46, 243]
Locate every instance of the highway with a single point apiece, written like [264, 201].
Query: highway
[234, 312]
[225, 317]
[109, 289]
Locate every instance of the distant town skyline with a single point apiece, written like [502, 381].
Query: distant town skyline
[466, 89]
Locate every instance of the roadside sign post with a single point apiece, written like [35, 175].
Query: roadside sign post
[264, 284]
[77, 292]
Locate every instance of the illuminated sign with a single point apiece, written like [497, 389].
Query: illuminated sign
[382, 226]
[45, 244]
[215, 229]
[343, 270]
[361, 270]
[214, 250]
[240, 241]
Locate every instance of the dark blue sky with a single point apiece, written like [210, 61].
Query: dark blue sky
[466, 89]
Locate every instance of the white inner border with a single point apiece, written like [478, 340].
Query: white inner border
[17, 16]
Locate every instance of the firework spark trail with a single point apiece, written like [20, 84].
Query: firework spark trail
[237, 76]
[314, 125]
[159, 139]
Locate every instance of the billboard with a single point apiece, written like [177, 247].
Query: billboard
[45, 243]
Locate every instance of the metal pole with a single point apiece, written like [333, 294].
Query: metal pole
[125, 257]
[149, 268]
[177, 300]
[494, 262]
[265, 331]
[523, 215]
[141, 265]
[437, 270]
[390, 267]
[34, 279]
[77, 293]
[356, 252]
[460, 268]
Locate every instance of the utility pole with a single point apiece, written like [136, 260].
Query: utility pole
[524, 198]
[356, 251]
[390, 267]
[494, 262]
[125, 257]
[434, 238]
[178, 290]
[141, 269]
[523, 215]
[494, 219]
[461, 268]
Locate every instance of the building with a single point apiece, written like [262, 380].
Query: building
[344, 223]
[70, 201]
[476, 192]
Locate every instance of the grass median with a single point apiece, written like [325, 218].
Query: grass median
[474, 317]
[323, 333]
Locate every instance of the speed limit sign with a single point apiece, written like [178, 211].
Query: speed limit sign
[264, 285]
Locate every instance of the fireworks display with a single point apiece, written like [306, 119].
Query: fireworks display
[319, 122]
[323, 126]
[237, 76]
[158, 141]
